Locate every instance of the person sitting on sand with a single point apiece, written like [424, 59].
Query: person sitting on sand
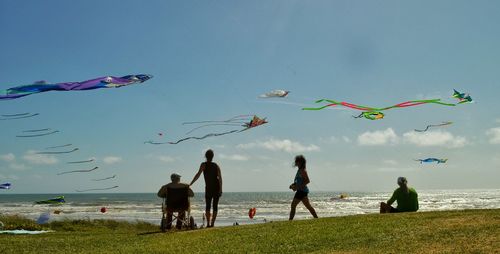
[406, 197]
[175, 184]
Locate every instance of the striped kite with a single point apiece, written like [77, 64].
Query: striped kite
[374, 113]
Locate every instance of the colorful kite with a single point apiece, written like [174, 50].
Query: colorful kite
[5, 186]
[102, 82]
[37, 135]
[18, 116]
[98, 189]
[53, 201]
[462, 97]
[78, 171]
[275, 93]
[374, 113]
[434, 125]
[430, 160]
[242, 120]
[102, 179]
[60, 152]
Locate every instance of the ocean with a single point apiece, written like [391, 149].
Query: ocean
[233, 207]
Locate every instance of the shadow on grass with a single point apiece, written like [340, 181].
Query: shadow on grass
[150, 233]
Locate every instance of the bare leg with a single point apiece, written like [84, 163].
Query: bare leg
[207, 215]
[214, 216]
[385, 208]
[295, 202]
[309, 207]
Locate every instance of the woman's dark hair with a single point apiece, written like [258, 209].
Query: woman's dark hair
[300, 161]
[209, 154]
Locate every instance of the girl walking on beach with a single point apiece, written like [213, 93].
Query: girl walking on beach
[299, 185]
[213, 186]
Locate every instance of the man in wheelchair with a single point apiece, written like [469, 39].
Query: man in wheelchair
[176, 199]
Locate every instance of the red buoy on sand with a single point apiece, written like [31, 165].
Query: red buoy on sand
[103, 209]
[251, 212]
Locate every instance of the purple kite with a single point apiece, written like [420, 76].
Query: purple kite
[102, 82]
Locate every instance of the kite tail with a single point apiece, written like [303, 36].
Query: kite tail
[320, 108]
[203, 137]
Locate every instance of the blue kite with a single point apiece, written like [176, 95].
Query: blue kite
[430, 160]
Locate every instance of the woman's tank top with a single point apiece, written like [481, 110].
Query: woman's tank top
[210, 175]
[299, 180]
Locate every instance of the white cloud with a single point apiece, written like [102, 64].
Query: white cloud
[434, 138]
[111, 159]
[8, 157]
[498, 120]
[165, 158]
[234, 157]
[42, 159]
[17, 166]
[285, 145]
[346, 139]
[9, 177]
[391, 162]
[395, 169]
[494, 134]
[375, 138]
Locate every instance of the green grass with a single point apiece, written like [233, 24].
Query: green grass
[469, 231]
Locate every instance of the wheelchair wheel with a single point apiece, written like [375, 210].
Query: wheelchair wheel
[191, 222]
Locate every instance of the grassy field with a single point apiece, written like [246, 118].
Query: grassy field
[469, 231]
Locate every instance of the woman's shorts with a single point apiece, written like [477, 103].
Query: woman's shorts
[300, 195]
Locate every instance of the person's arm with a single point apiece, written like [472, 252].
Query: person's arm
[190, 192]
[392, 199]
[162, 193]
[219, 175]
[202, 167]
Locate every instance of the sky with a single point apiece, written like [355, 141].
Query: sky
[212, 59]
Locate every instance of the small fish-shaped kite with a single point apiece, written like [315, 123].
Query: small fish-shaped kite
[275, 93]
[374, 113]
[37, 135]
[60, 152]
[5, 186]
[60, 146]
[429, 160]
[78, 171]
[462, 97]
[79, 162]
[109, 188]
[434, 125]
[235, 121]
[53, 201]
[106, 178]
[18, 116]
[102, 82]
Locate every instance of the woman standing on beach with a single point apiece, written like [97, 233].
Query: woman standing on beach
[299, 185]
[213, 186]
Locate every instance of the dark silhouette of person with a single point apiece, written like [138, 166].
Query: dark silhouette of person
[213, 186]
[299, 185]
